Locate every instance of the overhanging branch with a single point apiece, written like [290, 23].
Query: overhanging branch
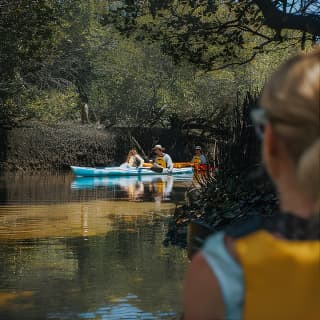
[277, 19]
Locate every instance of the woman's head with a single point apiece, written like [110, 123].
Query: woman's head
[291, 99]
[131, 153]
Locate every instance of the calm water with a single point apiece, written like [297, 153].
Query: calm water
[89, 248]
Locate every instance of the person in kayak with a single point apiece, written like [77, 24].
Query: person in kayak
[161, 160]
[199, 160]
[269, 268]
[134, 160]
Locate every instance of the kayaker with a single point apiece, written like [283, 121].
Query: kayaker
[134, 160]
[161, 160]
[199, 160]
[269, 268]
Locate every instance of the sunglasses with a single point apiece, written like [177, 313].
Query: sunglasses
[259, 120]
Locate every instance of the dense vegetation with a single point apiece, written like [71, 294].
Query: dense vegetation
[188, 65]
[129, 61]
[216, 34]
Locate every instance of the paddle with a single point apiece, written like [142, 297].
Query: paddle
[156, 169]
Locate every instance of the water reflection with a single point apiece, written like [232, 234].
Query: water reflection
[124, 273]
[136, 187]
[122, 308]
[71, 219]
[61, 188]
[86, 252]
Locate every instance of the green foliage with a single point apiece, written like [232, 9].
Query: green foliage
[54, 105]
[45, 45]
[27, 36]
[132, 85]
[45, 105]
[53, 48]
[213, 34]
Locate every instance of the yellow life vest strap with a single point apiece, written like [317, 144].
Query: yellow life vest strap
[160, 161]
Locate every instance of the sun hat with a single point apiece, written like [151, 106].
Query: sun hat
[158, 146]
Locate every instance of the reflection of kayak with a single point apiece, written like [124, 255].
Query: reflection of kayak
[93, 182]
[119, 171]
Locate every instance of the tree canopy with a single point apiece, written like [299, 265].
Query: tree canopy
[129, 61]
[214, 34]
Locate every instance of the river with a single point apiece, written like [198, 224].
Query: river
[89, 248]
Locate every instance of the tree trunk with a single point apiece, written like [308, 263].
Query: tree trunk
[84, 113]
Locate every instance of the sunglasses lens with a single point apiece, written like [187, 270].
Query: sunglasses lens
[258, 119]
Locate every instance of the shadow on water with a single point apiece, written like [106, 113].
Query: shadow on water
[85, 249]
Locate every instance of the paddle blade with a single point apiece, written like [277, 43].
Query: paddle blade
[156, 169]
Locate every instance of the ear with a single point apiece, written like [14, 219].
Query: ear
[270, 140]
[271, 152]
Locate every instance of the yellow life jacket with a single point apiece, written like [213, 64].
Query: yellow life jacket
[160, 161]
[282, 277]
[196, 159]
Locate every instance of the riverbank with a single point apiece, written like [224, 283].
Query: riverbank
[37, 146]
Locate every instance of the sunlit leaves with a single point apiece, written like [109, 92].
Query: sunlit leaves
[210, 34]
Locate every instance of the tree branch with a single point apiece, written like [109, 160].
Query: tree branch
[277, 19]
[237, 63]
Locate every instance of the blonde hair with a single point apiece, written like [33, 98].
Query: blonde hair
[292, 102]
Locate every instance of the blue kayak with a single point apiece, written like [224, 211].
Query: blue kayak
[120, 171]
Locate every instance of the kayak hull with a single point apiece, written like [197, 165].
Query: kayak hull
[118, 171]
